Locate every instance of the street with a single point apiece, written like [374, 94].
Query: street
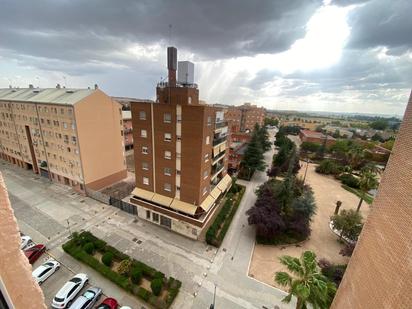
[49, 212]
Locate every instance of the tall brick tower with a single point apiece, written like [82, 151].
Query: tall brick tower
[180, 154]
[379, 274]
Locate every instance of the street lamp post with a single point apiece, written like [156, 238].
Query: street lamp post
[68, 226]
[212, 306]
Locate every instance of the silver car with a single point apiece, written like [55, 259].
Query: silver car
[87, 299]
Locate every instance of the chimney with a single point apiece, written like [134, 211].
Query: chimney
[58, 86]
[172, 65]
[96, 87]
[31, 86]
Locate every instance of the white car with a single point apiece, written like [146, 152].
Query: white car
[25, 240]
[45, 270]
[69, 291]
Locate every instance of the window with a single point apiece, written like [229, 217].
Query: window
[143, 133]
[209, 120]
[204, 190]
[168, 154]
[145, 166]
[189, 100]
[207, 140]
[205, 174]
[148, 214]
[167, 171]
[65, 125]
[167, 187]
[155, 217]
[165, 221]
[167, 118]
[206, 157]
[142, 115]
[145, 150]
[168, 137]
[145, 181]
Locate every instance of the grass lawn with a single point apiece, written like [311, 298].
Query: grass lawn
[367, 198]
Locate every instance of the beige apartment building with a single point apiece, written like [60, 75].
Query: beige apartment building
[244, 117]
[180, 151]
[71, 136]
[380, 270]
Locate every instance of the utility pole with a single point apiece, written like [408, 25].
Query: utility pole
[68, 226]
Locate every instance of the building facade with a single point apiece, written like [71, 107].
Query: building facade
[71, 136]
[17, 286]
[180, 151]
[237, 146]
[316, 137]
[244, 117]
[127, 130]
[380, 270]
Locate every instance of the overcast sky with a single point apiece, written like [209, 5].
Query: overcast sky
[343, 56]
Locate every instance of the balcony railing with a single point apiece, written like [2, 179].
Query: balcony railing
[220, 124]
[217, 141]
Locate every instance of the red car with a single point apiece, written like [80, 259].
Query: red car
[33, 253]
[108, 303]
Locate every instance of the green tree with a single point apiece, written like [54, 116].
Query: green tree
[367, 181]
[305, 282]
[309, 147]
[348, 223]
[253, 158]
[380, 124]
[355, 156]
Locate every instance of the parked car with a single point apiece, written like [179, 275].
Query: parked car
[108, 303]
[88, 299]
[33, 253]
[25, 240]
[45, 270]
[69, 291]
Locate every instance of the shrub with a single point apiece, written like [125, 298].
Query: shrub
[334, 273]
[158, 275]
[136, 275]
[156, 286]
[329, 167]
[347, 250]
[89, 248]
[124, 267]
[107, 259]
[143, 293]
[349, 180]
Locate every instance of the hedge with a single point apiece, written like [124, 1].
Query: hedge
[156, 286]
[349, 180]
[107, 259]
[89, 248]
[76, 248]
[214, 236]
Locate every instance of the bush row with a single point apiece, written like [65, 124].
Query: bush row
[134, 269]
[216, 232]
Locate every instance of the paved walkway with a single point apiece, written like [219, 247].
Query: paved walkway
[196, 264]
[323, 241]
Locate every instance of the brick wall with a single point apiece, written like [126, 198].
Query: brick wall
[379, 274]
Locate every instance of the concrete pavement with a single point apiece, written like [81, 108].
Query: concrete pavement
[196, 264]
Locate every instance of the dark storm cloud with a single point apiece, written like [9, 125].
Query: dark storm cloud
[381, 23]
[84, 30]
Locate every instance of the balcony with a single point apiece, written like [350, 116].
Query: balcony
[220, 124]
[217, 141]
[219, 157]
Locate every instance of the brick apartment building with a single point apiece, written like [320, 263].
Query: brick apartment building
[71, 136]
[180, 151]
[244, 117]
[17, 286]
[316, 137]
[127, 130]
[237, 147]
[380, 270]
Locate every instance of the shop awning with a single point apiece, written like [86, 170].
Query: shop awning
[215, 193]
[224, 183]
[144, 194]
[183, 207]
[162, 200]
[207, 203]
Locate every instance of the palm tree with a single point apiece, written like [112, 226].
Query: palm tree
[355, 156]
[307, 284]
[367, 182]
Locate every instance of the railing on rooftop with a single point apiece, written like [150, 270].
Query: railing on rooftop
[166, 84]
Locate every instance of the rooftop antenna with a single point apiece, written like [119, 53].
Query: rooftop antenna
[170, 34]
[64, 77]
